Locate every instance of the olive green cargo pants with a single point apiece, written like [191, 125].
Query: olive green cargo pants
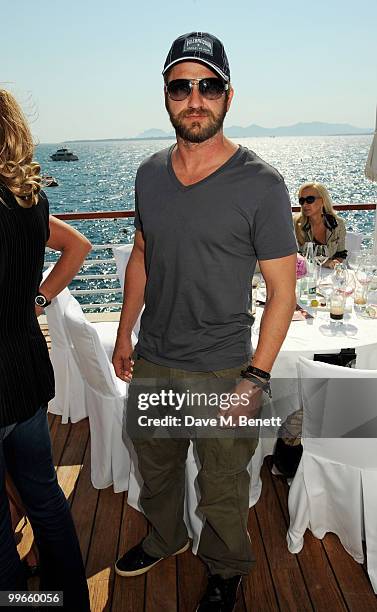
[223, 478]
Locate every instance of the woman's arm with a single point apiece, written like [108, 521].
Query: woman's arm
[74, 247]
[340, 246]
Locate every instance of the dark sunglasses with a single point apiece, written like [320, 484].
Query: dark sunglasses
[308, 200]
[211, 89]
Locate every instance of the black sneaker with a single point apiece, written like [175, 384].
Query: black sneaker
[221, 594]
[136, 561]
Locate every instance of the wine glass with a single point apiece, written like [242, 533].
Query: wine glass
[360, 299]
[321, 255]
[340, 276]
[353, 259]
[325, 289]
[371, 262]
[349, 287]
[364, 272]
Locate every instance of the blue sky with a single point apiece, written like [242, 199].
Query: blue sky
[92, 69]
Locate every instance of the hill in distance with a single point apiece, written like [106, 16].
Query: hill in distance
[314, 128]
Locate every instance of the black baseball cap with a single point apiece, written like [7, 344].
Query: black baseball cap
[202, 47]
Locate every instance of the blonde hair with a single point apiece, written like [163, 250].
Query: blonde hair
[300, 219]
[18, 172]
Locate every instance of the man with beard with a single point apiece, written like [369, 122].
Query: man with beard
[206, 210]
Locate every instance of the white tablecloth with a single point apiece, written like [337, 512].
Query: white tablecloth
[304, 339]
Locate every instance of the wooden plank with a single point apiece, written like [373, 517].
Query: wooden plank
[191, 579]
[161, 587]
[84, 505]
[319, 577]
[72, 458]
[129, 593]
[103, 548]
[258, 586]
[24, 538]
[288, 580]
[240, 602]
[353, 581]
[51, 419]
[322, 572]
[54, 428]
[323, 564]
[45, 332]
[59, 434]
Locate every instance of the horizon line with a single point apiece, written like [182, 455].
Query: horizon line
[131, 138]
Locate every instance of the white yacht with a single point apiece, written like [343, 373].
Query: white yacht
[63, 155]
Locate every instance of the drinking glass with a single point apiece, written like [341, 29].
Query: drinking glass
[321, 255]
[360, 298]
[371, 262]
[308, 283]
[349, 287]
[364, 272]
[340, 276]
[337, 305]
[336, 326]
[325, 289]
[353, 259]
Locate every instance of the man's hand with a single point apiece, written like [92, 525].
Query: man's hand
[248, 403]
[122, 362]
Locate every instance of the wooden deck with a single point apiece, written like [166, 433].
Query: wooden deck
[322, 577]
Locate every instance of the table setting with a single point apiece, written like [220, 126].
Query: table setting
[326, 320]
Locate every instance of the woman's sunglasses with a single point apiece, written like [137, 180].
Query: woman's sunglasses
[211, 89]
[308, 200]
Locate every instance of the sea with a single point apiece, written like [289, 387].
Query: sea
[103, 178]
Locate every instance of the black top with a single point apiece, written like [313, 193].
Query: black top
[26, 374]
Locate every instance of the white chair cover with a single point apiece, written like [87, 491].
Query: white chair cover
[335, 487]
[106, 395]
[121, 255]
[366, 357]
[69, 400]
[353, 241]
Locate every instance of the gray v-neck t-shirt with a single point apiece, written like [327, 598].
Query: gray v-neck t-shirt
[202, 242]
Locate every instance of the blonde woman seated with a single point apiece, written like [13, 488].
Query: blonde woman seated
[318, 223]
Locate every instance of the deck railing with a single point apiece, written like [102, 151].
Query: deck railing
[95, 271]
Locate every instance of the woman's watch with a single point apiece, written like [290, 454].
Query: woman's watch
[41, 300]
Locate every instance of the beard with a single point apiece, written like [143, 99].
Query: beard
[197, 131]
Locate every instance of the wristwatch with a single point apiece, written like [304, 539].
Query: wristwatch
[41, 300]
